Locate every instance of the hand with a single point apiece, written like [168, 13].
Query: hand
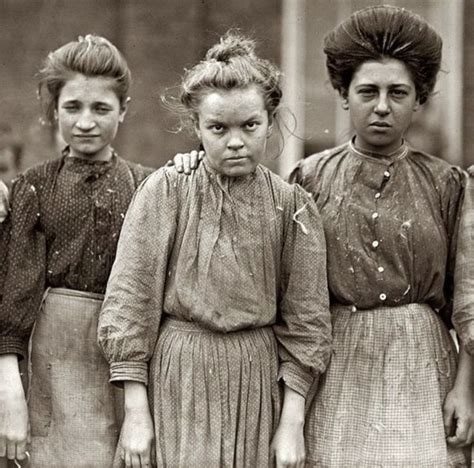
[187, 162]
[288, 442]
[458, 415]
[14, 426]
[4, 204]
[137, 436]
[288, 445]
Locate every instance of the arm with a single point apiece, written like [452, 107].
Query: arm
[22, 292]
[303, 330]
[458, 409]
[131, 313]
[463, 310]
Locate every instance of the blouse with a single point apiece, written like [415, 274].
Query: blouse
[463, 315]
[64, 223]
[228, 253]
[390, 225]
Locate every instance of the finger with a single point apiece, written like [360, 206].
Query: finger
[135, 460]
[145, 459]
[169, 163]
[187, 162]
[11, 450]
[178, 162]
[201, 155]
[448, 420]
[459, 438]
[3, 447]
[20, 450]
[127, 459]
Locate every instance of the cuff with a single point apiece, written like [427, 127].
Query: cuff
[13, 345]
[129, 370]
[296, 378]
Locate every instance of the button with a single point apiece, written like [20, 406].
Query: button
[375, 215]
[353, 308]
[386, 174]
[377, 195]
[381, 269]
[375, 244]
[382, 297]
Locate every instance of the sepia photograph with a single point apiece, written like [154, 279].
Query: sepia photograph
[236, 233]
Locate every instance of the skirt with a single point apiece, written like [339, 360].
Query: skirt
[75, 414]
[214, 396]
[380, 402]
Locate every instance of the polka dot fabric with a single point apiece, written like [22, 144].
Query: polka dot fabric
[64, 225]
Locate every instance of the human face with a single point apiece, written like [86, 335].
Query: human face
[89, 113]
[381, 101]
[233, 126]
[8, 169]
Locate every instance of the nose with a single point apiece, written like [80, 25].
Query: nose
[235, 141]
[85, 121]
[382, 106]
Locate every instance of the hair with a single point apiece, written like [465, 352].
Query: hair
[230, 64]
[92, 56]
[380, 32]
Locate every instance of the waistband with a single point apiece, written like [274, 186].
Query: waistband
[74, 293]
[413, 307]
[169, 321]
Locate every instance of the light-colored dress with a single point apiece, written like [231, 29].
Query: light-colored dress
[218, 290]
[390, 225]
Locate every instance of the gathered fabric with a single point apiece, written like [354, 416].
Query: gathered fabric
[380, 401]
[75, 414]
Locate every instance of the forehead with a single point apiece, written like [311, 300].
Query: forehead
[384, 72]
[240, 103]
[88, 89]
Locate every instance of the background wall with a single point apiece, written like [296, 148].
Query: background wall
[160, 38]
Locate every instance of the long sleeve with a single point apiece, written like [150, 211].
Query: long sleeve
[303, 328]
[130, 316]
[463, 313]
[25, 270]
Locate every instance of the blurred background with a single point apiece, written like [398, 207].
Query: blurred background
[162, 37]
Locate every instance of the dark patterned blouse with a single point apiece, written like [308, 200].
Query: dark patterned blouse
[390, 225]
[65, 220]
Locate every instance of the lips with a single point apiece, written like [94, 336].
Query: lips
[380, 124]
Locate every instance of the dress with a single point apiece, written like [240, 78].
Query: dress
[64, 224]
[390, 225]
[218, 290]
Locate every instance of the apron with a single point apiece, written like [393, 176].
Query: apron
[75, 414]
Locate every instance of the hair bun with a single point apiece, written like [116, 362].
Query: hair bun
[231, 45]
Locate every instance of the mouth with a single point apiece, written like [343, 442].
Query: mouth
[378, 124]
[85, 137]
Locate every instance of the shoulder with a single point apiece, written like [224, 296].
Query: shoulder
[139, 172]
[38, 176]
[441, 171]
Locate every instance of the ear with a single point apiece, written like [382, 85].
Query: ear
[270, 124]
[197, 131]
[55, 115]
[417, 105]
[124, 109]
[343, 94]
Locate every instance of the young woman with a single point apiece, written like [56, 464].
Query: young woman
[65, 220]
[392, 394]
[219, 289]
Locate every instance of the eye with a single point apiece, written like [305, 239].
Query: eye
[399, 92]
[251, 125]
[103, 109]
[70, 108]
[367, 92]
[217, 128]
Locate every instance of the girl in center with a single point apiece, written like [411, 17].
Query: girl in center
[219, 287]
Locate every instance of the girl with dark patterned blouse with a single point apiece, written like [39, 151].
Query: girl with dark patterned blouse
[65, 220]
